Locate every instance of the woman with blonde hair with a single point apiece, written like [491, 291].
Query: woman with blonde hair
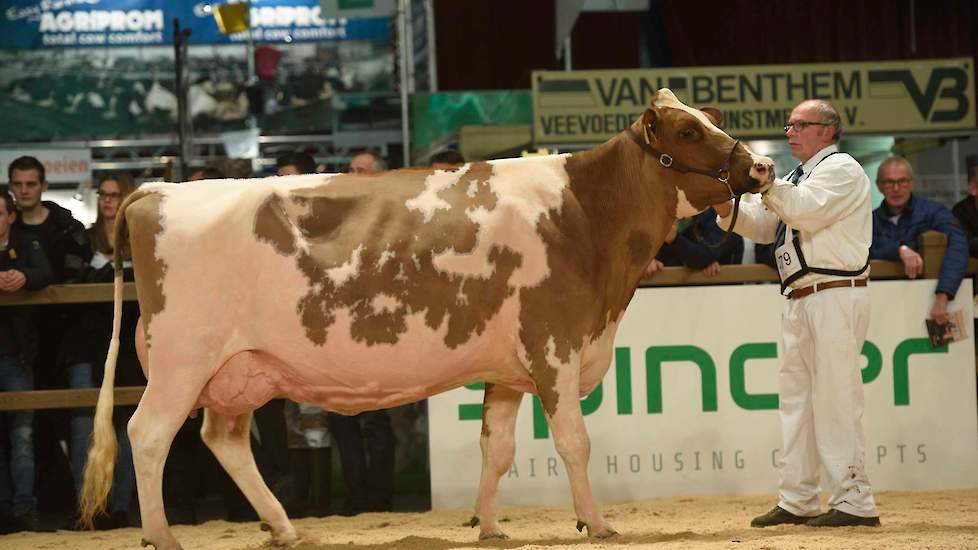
[85, 349]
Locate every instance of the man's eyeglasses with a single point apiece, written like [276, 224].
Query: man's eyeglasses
[894, 183]
[801, 125]
[102, 195]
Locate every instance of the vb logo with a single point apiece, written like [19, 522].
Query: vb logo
[948, 83]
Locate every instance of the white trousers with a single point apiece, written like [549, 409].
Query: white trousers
[821, 397]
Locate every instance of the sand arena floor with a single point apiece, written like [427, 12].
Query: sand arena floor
[933, 520]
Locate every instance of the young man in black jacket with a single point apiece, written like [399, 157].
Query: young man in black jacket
[23, 265]
[65, 243]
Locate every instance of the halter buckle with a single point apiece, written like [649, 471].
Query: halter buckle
[665, 160]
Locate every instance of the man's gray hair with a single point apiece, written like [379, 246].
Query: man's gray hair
[379, 163]
[830, 117]
[888, 161]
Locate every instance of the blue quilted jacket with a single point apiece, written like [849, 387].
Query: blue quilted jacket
[922, 215]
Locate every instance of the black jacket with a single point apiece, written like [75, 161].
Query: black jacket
[18, 324]
[967, 214]
[86, 339]
[65, 242]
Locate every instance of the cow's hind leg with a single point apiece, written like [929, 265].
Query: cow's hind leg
[499, 409]
[228, 438]
[161, 411]
[563, 412]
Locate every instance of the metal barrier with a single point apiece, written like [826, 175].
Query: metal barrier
[933, 245]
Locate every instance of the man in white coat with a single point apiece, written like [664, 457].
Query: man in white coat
[820, 218]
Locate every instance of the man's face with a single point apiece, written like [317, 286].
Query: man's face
[287, 170]
[26, 187]
[896, 184]
[363, 164]
[804, 143]
[6, 220]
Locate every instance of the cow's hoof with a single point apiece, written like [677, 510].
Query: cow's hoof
[494, 535]
[474, 521]
[605, 533]
[174, 546]
[287, 537]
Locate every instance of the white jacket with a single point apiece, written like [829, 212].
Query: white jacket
[830, 208]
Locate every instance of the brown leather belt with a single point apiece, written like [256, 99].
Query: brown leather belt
[805, 291]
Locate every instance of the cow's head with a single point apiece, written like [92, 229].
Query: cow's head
[706, 165]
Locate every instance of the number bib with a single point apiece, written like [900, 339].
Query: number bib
[788, 261]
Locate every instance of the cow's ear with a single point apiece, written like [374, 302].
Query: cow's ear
[715, 116]
[648, 124]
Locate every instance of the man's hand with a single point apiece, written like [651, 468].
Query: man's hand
[763, 172]
[724, 208]
[712, 270]
[913, 264]
[654, 267]
[939, 310]
[12, 280]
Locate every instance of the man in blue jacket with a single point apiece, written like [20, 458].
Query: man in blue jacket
[898, 223]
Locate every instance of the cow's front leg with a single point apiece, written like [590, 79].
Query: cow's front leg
[561, 405]
[499, 408]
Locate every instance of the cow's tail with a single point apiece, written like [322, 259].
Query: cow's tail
[102, 454]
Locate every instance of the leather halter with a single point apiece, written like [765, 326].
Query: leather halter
[721, 174]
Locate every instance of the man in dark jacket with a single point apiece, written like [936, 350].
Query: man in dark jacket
[65, 243]
[898, 223]
[966, 211]
[23, 265]
[62, 237]
[695, 245]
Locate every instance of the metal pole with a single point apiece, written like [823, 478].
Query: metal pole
[402, 45]
[567, 53]
[432, 52]
[184, 124]
[956, 167]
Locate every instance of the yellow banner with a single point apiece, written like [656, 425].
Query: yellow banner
[872, 97]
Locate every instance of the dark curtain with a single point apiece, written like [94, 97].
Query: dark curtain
[747, 32]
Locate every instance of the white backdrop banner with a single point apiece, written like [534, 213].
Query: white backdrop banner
[61, 165]
[689, 405]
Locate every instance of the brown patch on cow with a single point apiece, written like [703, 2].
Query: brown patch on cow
[272, 226]
[368, 214]
[144, 217]
[615, 216]
[640, 248]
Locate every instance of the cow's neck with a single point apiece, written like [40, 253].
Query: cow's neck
[629, 207]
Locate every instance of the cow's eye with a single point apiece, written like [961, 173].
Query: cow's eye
[688, 133]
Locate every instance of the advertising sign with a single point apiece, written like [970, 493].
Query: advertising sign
[60, 165]
[872, 97]
[32, 24]
[689, 405]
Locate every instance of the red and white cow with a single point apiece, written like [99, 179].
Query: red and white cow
[367, 292]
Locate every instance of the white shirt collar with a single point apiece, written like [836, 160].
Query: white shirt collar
[817, 158]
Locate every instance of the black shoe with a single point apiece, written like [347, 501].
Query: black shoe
[28, 521]
[120, 519]
[838, 518]
[778, 516]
